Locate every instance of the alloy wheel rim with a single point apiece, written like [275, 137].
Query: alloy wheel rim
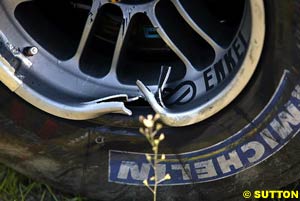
[205, 77]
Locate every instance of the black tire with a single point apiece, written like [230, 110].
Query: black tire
[65, 154]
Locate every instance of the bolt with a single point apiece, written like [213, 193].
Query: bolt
[99, 140]
[30, 51]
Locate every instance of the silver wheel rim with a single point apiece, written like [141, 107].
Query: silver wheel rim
[202, 91]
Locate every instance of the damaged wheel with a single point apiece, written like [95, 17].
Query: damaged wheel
[222, 75]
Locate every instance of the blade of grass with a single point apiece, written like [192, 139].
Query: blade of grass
[51, 193]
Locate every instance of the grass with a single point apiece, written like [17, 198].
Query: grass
[16, 187]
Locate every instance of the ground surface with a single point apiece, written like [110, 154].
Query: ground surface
[16, 187]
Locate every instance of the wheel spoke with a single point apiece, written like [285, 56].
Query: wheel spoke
[15, 3]
[130, 55]
[11, 5]
[88, 27]
[120, 44]
[197, 27]
[193, 50]
[165, 37]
